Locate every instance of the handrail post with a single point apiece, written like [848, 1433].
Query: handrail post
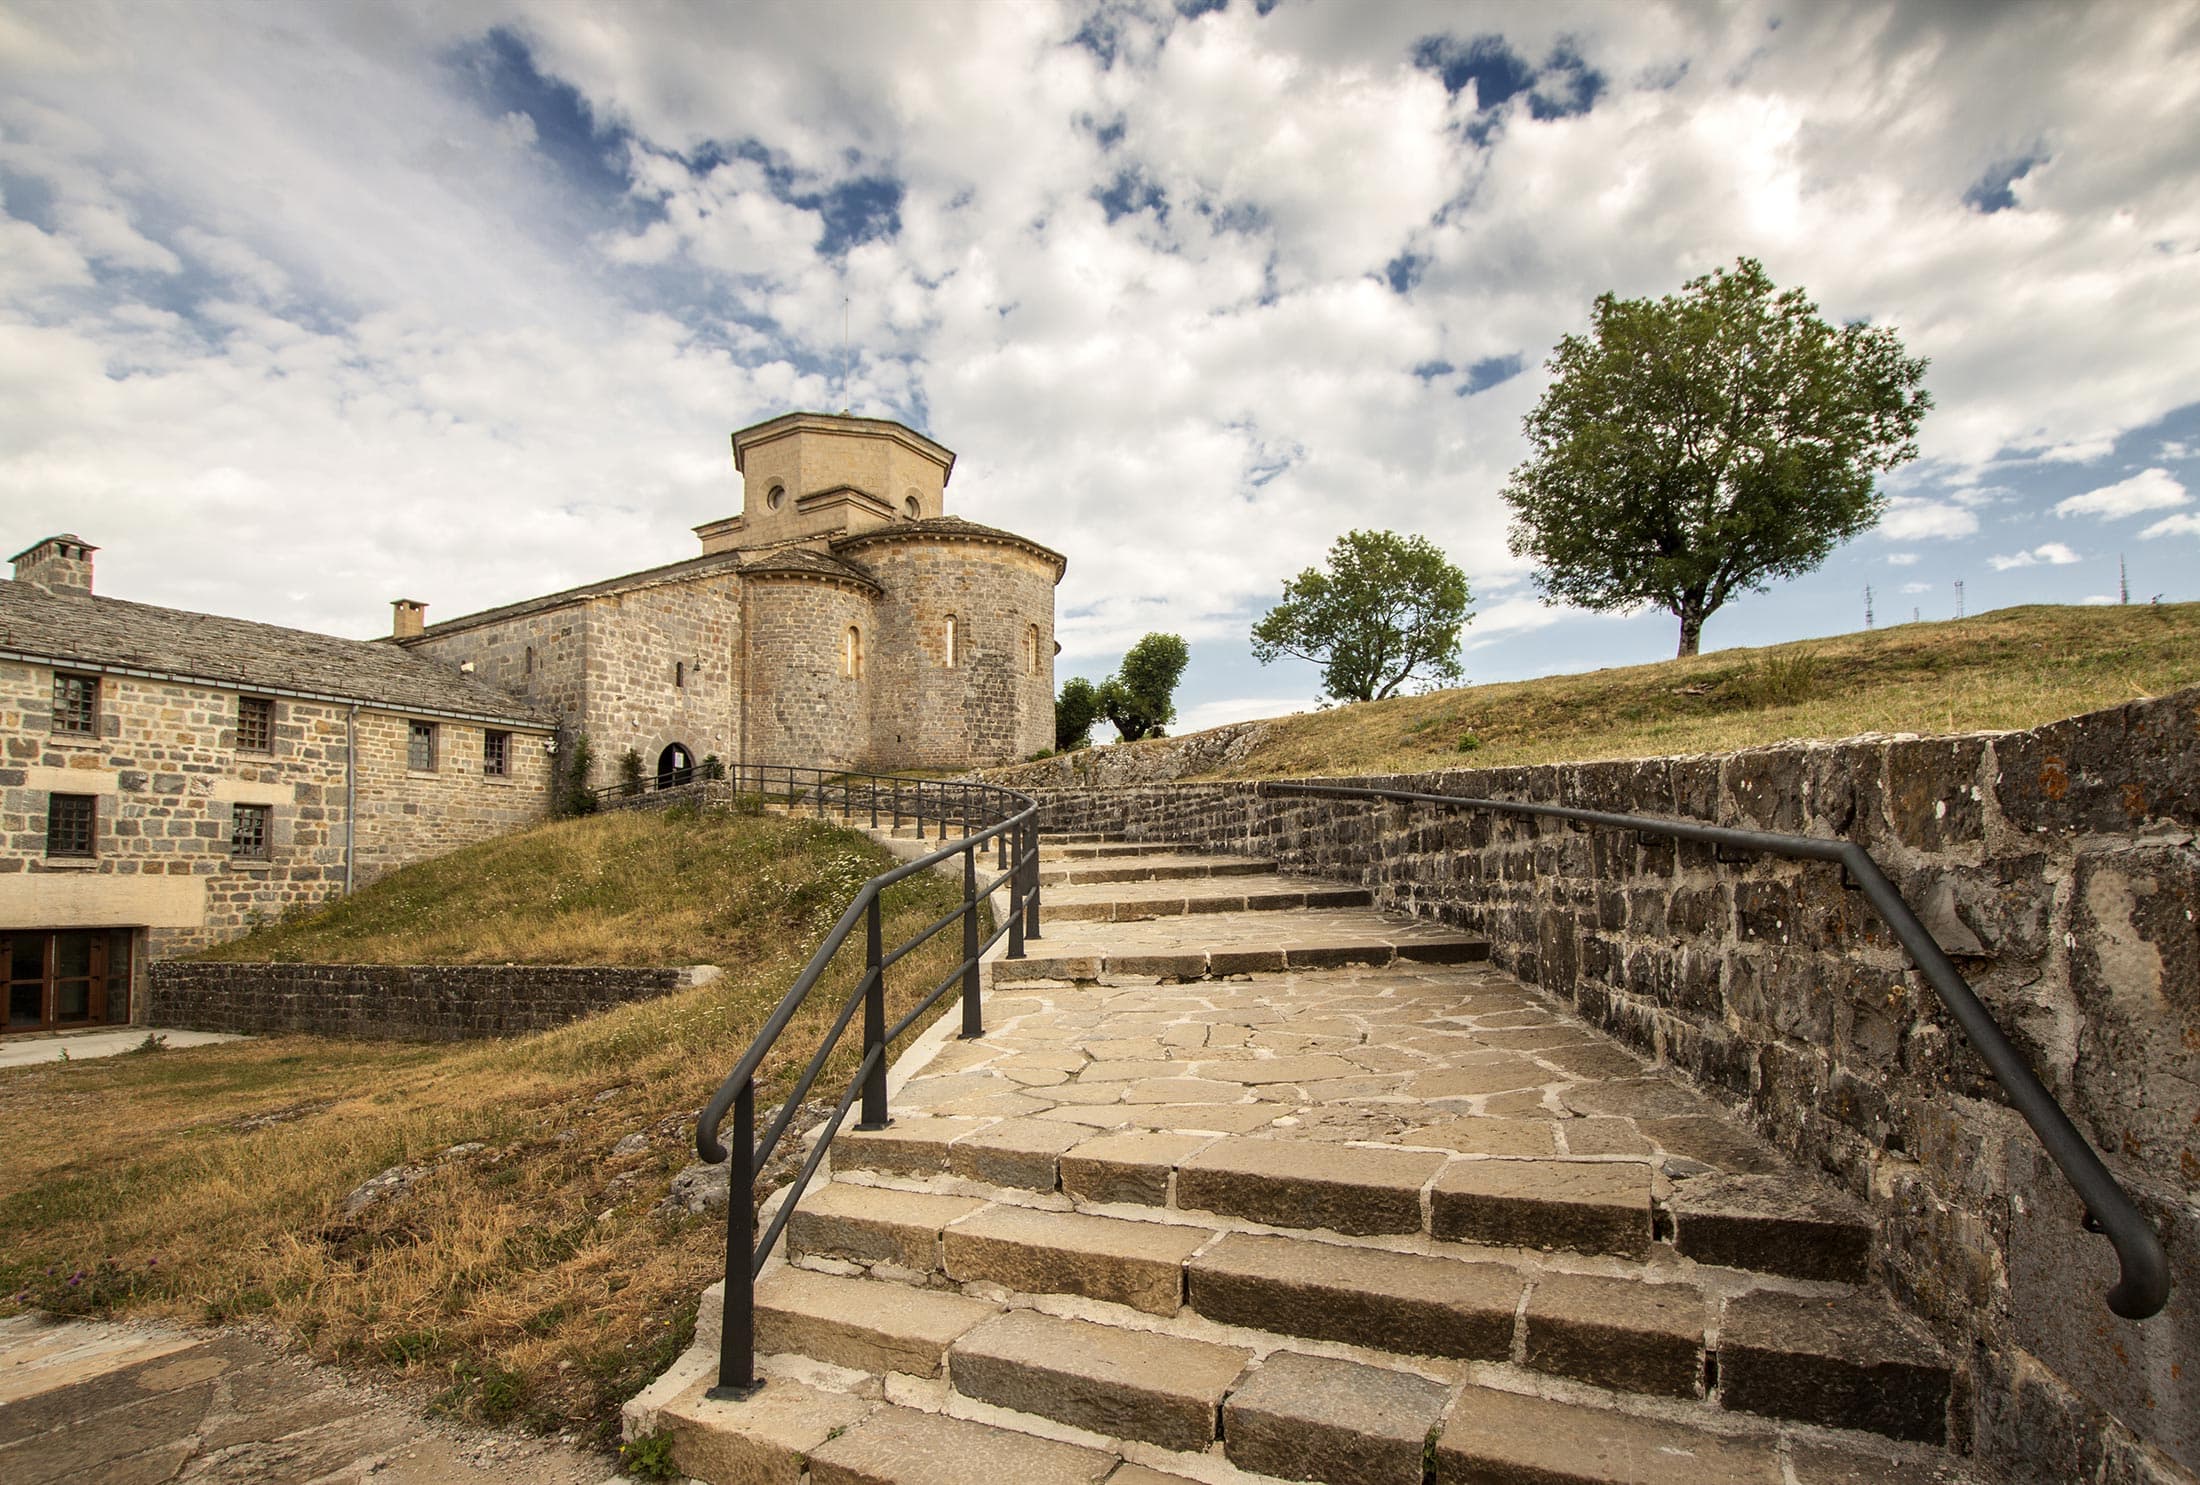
[920, 809]
[1014, 866]
[737, 1314]
[1031, 911]
[973, 1016]
[871, 788]
[874, 1019]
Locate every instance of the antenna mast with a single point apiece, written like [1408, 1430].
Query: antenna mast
[1867, 605]
[1959, 598]
[2123, 581]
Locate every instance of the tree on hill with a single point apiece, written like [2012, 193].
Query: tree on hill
[1075, 710]
[1140, 697]
[1698, 446]
[1386, 609]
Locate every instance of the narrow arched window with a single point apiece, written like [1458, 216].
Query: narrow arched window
[851, 653]
[951, 642]
[1031, 649]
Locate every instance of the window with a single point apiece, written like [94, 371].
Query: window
[530, 659]
[420, 748]
[496, 754]
[910, 507]
[679, 674]
[73, 978]
[248, 831]
[72, 824]
[851, 653]
[950, 641]
[776, 496]
[255, 724]
[1031, 649]
[76, 704]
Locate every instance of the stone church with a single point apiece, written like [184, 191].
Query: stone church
[841, 619]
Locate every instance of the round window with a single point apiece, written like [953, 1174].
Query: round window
[776, 496]
[911, 508]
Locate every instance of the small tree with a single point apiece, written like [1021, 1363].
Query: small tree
[574, 797]
[1075, 710]
[1140, 697]
[1701, 445]
[1387, 608]
[630, 773]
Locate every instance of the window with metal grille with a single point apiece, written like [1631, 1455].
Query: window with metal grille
[255, 724]
[72, 824]
[76, 704]
[420, 747]
[496, 754]
[248, 831]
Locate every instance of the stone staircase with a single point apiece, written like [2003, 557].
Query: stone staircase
[1248, 1181]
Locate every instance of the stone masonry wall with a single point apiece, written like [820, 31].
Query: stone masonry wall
[541, 657]
[2057, 866]
[406, 814]
[662, 670]
[994, 705]
[397, 1002]
[802, 708]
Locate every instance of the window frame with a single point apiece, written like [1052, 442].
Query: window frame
[496, 753]
[416, 732]
[264, 850]
[265, 706]
[90, 852]
[954, 642]
[851, 653]
[89, 711]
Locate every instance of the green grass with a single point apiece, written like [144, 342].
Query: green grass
[527, 1281]
[2016, 667]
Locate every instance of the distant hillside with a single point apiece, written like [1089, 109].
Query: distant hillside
[2014, 667]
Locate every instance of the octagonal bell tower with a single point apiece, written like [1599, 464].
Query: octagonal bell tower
[809, 477]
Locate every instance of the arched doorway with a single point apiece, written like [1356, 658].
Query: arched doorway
[675, 766]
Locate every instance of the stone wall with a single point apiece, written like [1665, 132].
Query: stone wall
[408, 814]
[1152, 761]
[2058, 866]
[996, 702]
[662, 670]
[804, 708]
[397, 1002]
[541, 657]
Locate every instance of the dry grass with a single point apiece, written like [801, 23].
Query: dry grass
[2012, 668]
[528, 1280]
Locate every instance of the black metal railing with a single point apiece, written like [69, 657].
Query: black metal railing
[2143, 1286]
[984, 817]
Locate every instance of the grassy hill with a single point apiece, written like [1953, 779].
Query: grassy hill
[529, 1279]
[2015, 667]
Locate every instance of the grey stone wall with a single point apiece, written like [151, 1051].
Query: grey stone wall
[2058, 866]
[396, 1002]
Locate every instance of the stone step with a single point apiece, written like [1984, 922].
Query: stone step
[864, 1325]
[1079, 837]
[1235, 943]
[1051, 850]
[1153, 867]
[1322, 1418]
[901, 1446]
[1125, 1384]
[1852, 1362]
[1132, 901]
[1489, 1436]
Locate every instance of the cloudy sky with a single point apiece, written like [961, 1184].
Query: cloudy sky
[305, 307]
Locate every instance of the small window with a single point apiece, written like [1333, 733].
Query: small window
[420, 748]
[776, 496]
[911, 508]
[1031, 649]
[76, 704]
[530, 659]
[496, 754]
[248, 831]
[255, 724]
[851, 653]
[951, 642]
[679, 674]
[72, 824]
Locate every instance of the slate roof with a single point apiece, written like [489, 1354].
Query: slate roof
[807, 562]
[115, 634]
[949, 528]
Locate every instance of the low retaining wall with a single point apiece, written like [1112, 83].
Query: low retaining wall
[2058, 866]
[397, 1002]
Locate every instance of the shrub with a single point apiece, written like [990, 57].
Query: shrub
[630, 773]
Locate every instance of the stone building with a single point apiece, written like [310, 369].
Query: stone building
[169, 778]
[843, 619]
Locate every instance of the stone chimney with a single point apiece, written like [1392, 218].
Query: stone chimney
[59, 564]
[408, 616]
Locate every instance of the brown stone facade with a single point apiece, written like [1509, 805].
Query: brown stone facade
[2058, 868]
[813, 629]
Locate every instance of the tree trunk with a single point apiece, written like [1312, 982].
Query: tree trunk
[1691, 632]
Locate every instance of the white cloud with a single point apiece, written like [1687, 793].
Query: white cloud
[2178, 525]
[1910, 518]
[2098, 600]
[1916, 588]
[1902, 559]
[2150, 489]
[1237, 709]
[2176, 449]
[2047, 554]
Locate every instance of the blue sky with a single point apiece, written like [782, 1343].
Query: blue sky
[307, 307]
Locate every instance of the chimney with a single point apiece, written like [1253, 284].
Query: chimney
[407, 618]
[59, 564]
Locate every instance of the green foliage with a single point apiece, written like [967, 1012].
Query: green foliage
[1776, 680]
[1387, 608]
[649, 1457]
[630, 773]
[1698, 446]
[573, 794]
[1141, 696]
[1075, 710]
[1469, 743]
[712, 768]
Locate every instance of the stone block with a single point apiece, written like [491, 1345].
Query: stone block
[1127, 1167]
[1287, 1183]
[1313, 1417]
[1139, 1264]
[1399, 1302]
[1850, 1362]
[899, 1446]
[866, 1325]
[910, 1146]
[1619, 1333]
[1503, 1438]
[1015, 1152]
[872, 1224]
[1127, 1384]
[760, 1440]
[1585, 1206]
[1776, 1224]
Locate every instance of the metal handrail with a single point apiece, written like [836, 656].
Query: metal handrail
[2143, 1285]
[984, 814]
